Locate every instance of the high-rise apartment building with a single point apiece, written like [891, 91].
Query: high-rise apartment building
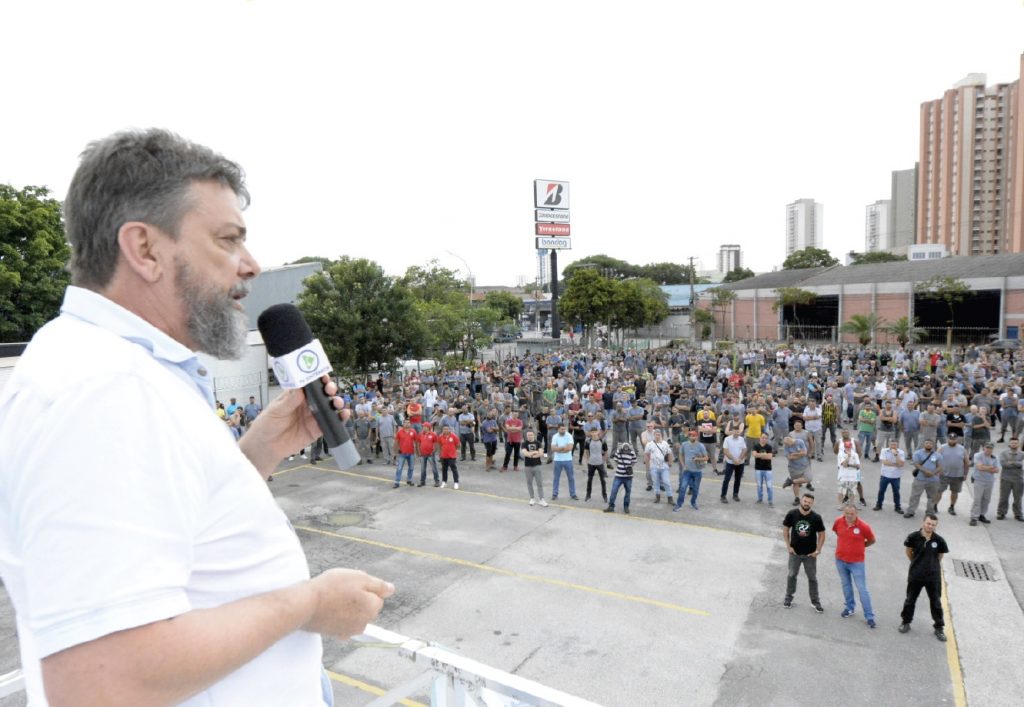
[903, 210]
[729, 258]
[877, 235]
[971, 180]
[804, 225]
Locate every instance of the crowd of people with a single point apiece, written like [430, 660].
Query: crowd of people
[607, 412]
[914, 416]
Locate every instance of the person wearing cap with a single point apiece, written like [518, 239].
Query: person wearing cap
[986, 467]
[926, 479]
[953, 465]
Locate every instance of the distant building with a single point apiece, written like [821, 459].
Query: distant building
[926, 251]
[903, 210]
[804, 225]
[971, 182]
[877, 236]
[730, 258]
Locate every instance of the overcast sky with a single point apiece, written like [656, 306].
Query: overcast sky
[403, 131]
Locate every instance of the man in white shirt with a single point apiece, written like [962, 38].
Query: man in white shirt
[145, 557]
[893, 460]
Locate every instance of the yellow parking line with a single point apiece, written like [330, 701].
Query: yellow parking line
[367, 687]
[510, 573]
[952, 652]
[511, 499]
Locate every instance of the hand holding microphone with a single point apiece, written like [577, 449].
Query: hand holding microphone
[299, 361]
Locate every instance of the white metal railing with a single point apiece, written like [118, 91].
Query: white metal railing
[454, 680]
[457, 681]
[12, 683]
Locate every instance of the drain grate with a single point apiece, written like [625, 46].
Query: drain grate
[979, 571]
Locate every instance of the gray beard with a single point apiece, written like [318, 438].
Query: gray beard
[215, 325]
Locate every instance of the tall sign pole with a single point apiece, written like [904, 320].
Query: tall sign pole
[551, 213]
[556, 323]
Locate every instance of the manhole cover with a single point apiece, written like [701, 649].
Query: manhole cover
[980, 571]
[341, 520]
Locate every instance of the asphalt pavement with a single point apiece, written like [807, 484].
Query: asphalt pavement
[655, 608]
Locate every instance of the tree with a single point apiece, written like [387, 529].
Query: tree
[948, 289]
[588, 299]
[33, 254]
[636, 303]
[434, 283]
[506, 303]
[604, 265]
[809, 258]
[905, 331]
[363, 318]
[863, 326]
[703, 321]
[793, 297]
[737, 275]
[666, 273]
[720, 301]
[878, 256]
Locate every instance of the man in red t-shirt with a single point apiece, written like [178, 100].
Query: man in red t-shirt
[853, 536]
[449, 442]
[406, 439]
[414, 412]
[513, 440]
[426, 441]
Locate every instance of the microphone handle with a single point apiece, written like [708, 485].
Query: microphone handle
[331, 425]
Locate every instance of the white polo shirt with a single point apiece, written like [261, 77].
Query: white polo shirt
[124, 500]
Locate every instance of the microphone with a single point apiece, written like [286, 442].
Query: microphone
[299, 362]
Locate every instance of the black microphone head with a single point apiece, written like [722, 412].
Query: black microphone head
[284, 329]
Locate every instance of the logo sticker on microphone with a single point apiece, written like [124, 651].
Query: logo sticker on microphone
[305, 365]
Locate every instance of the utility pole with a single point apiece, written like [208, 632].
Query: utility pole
[556, 325]
[693, 326]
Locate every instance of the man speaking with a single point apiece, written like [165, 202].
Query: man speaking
[145, 557]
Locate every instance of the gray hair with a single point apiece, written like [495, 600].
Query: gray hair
[135, 176]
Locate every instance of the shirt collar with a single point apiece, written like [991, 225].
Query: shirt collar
[94, 308]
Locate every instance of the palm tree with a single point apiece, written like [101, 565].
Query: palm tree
[905, 331]
[862, 326]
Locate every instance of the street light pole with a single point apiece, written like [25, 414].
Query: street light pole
[472, 283]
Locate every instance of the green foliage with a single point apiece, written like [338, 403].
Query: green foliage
[661, 273]
[863, 326]
[945, 288]
[506, 303]
[362, 317]
[905, 332]
[809, 258]
[880, 256]
[588, 298]
[33, 254]
[434, 283]
[793, 296]
[704, 319]
[591, 298]
[737, 275]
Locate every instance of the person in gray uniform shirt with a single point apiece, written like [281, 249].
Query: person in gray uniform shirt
[953, 460]
[986, 466]
[1011, 480]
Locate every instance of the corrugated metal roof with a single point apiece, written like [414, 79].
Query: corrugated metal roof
[964, 268]
[779, 278]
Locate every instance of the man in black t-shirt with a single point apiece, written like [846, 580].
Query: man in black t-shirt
[762, 454]
[804, 533]
[925, 549]
[533, 455]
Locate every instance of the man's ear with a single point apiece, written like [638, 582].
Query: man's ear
[143, 248]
